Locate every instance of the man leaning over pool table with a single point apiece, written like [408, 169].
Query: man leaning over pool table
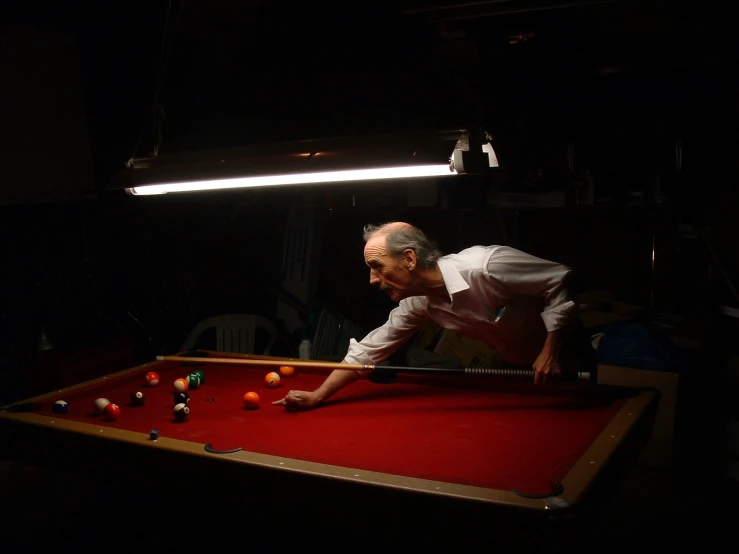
[516, 303]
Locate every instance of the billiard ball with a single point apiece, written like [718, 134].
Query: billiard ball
[272, 379]
[193, 381]
[137, 398]
[60, 407]
[200, 373]
[152, 379]
[287, 370]
[99, 404]
[181, 411]
[181, 384]
[251, 400]
[112, 412]
[181, 398]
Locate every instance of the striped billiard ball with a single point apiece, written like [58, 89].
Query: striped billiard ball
[112, 412]
[181, 384]
[193, 381]
[200, 373]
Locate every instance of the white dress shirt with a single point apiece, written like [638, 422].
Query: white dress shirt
[499, 295]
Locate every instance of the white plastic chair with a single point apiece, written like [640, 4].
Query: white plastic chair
[234, 333]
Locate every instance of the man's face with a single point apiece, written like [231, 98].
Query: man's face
[387, 272]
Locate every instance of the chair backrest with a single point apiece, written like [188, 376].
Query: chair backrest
[234, 333]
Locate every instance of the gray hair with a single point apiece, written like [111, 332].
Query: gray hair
[402, 236]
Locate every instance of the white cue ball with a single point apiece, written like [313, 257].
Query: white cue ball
[100, 404]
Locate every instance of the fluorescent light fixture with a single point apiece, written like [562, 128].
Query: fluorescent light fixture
[338, 160]
[374, 174]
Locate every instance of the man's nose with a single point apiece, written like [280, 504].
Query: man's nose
[374, 279]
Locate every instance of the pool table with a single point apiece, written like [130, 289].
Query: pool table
[425, 452]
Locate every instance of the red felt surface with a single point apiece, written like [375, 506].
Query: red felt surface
[436, 429]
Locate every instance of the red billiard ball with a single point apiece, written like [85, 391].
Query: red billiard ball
[112, 412]
[152, 379]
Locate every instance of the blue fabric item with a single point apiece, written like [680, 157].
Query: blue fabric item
[633, 345]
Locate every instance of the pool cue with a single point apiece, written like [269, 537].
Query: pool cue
[517, 374]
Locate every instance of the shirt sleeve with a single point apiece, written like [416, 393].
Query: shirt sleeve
[524, 274]
[410, 315]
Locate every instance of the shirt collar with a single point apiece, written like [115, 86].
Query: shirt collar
[452, 277]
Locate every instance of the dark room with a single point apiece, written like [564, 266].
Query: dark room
[412, 275]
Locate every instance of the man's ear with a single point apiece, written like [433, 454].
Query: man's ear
[410, 261]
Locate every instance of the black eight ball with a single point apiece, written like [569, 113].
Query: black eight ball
[181, 398]
[137, 398]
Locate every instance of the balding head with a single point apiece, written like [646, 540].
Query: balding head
[386, 228]
[401, 236]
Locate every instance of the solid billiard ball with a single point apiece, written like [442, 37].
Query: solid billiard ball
[287, 370]
[60, 407]
[112, 412]
[200, 373]
[152, 379]
[181, 411]
[181, 384]
[193, 381]
[99, 404]
[272, 379]
[251, 400]
[137, 398]
[181, 398]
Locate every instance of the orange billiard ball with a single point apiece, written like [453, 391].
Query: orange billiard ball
[272, 379]
[181, 385]
[251, 400]
[287, 370]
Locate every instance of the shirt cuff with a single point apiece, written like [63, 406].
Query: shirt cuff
[560, 316]
[356, 355]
